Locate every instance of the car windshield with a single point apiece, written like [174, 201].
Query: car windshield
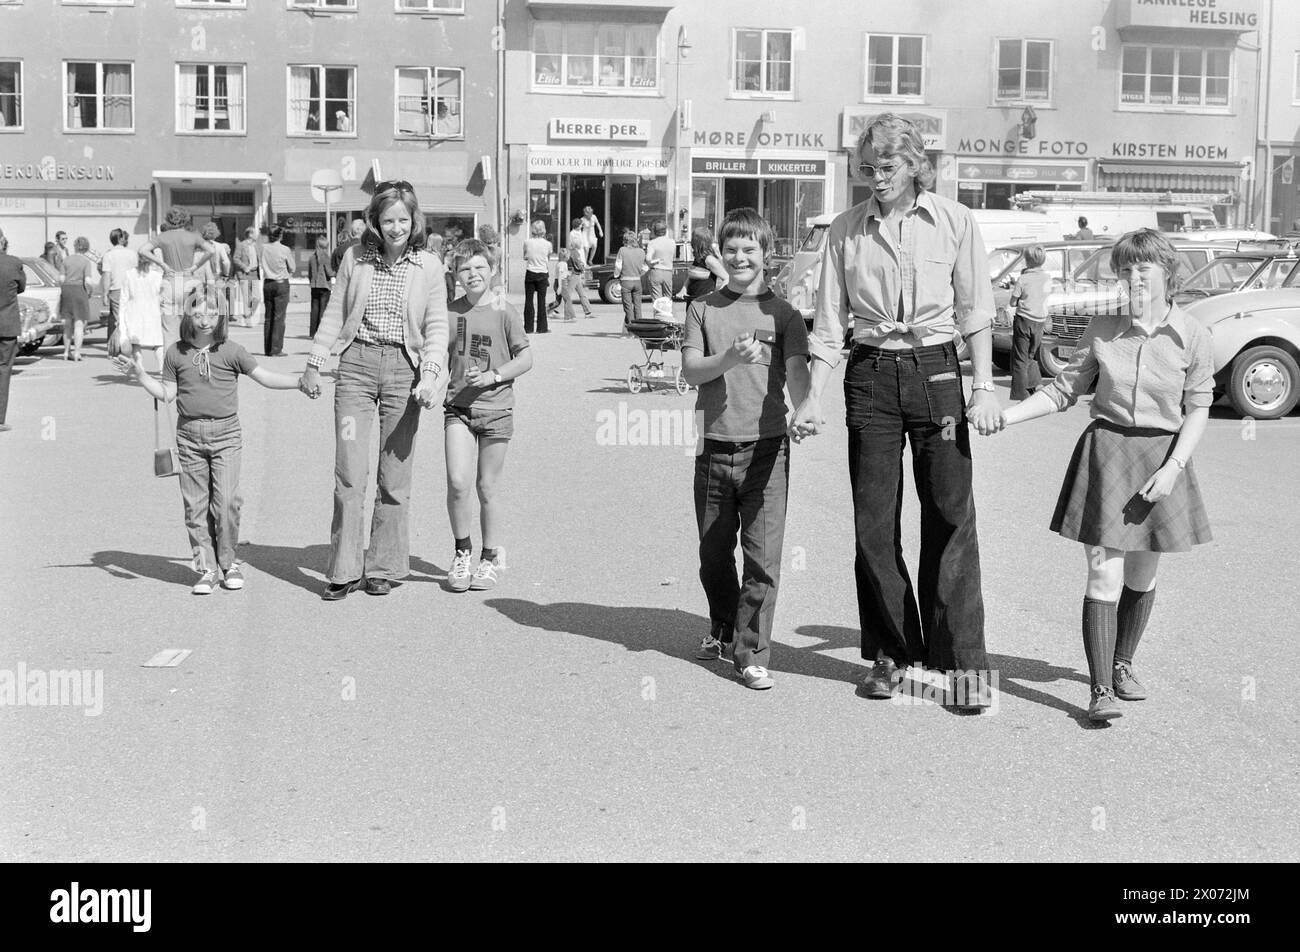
[1000, 259]
[36, 278]
[1274, 274]
[814, 239]
[1222, 274]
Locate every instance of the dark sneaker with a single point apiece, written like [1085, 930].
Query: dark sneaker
[1103, 706]
[883, 680]
[1127, 687]
[234, 579]
[206, 583]
[710, 648]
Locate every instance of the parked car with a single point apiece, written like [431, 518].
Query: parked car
[610, 288]
[1255, 266]
[1064, 259]
[43, 284]
[1094, 289]
[35, 318]
[1256, 347]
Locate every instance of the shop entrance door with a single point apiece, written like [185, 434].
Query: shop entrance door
[590, 190]
[622, 211]
[740, 193]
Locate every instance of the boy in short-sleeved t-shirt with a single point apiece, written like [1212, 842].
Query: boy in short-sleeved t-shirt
[483, 336]
[741, 343]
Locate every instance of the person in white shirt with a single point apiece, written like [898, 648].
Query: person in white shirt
[659, 258]
[113, 269]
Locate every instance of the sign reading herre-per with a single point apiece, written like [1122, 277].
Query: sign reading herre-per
[607, 130]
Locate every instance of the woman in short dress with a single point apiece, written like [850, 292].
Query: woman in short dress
[80, 277]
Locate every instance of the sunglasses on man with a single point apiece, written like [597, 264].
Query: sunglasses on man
[885, 172]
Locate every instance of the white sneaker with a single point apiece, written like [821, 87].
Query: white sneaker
[206, 583]
[458, 578]
[755, 676]
[485, 576]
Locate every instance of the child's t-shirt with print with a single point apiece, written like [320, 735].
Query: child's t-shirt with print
[207, 383]
[483, 336]
[748, 401]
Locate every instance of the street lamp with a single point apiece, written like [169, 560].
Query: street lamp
[679, 122]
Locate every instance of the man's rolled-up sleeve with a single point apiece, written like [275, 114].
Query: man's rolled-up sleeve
[833, 313]
[972, 292]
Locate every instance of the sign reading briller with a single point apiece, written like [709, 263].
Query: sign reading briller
[601, 130]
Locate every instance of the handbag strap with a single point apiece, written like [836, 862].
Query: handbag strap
[164, 438]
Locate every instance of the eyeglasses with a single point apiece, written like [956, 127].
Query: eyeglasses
[393, 186]
[886, 172]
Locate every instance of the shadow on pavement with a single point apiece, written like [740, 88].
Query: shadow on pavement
[671, 632]
[286, 563]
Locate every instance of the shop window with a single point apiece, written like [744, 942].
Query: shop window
[430, 102]
[430, 6]
[322, 100]
[210, 98]
[621, 57]
[762, 62]
[1177, 77]
[895, 66]
[1025, 70]
[99, 96]
[11, 95]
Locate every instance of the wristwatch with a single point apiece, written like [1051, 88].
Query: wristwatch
[986, 385]
[496, 377]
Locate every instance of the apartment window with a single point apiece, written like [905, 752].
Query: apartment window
[1025, 70]
[1175, 76]
[431, 6]
[209, 98]
[325, 4]
[763, 62]
[895, 66]
[99, 96]
[430, 102]
[322, 100]
[11, 95]
[99, 3]
[621, 57]
[212, 3]
[1295, 84]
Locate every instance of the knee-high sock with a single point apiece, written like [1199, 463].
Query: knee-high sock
[1099, 624]
[1134, 610]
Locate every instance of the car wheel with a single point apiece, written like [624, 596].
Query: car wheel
[611, 292]
[1002, 360]
[1264, 383]
[1049, 363]
[29, 348]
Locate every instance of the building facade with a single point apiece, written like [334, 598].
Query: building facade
[680, 111]
[110, 112]
[1278, 187]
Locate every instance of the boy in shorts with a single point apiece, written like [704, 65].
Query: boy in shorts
[743, 346]
[488, 349]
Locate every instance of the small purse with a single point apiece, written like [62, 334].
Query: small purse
[166, 461]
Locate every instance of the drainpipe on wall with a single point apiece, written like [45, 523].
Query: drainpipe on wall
[1266, 212]
[502, 185]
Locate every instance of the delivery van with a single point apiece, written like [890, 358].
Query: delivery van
[1112, 219]
[998, 227]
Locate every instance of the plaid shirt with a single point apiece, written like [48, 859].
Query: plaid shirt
[384, 320]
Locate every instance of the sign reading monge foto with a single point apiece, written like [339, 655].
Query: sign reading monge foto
[607, 130]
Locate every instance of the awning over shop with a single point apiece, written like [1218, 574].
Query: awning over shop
[295, 198]
[1158, 176]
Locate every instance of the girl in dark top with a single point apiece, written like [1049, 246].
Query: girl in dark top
[201, 373]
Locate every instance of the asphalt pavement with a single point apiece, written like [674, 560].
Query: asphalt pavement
[562, 716]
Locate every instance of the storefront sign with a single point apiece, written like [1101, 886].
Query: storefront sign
[1167, 150]
[592, 162]
[48, 169]
[1062, 173]
[99, 206]
[1040, 147]
[606, 130]
[22, 205]
[767, 168]
[932, 123]
[1239, 16]
[739, 138]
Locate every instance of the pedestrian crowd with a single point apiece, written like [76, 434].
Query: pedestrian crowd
[904, 273]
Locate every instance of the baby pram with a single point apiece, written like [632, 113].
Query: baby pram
[656, 337]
